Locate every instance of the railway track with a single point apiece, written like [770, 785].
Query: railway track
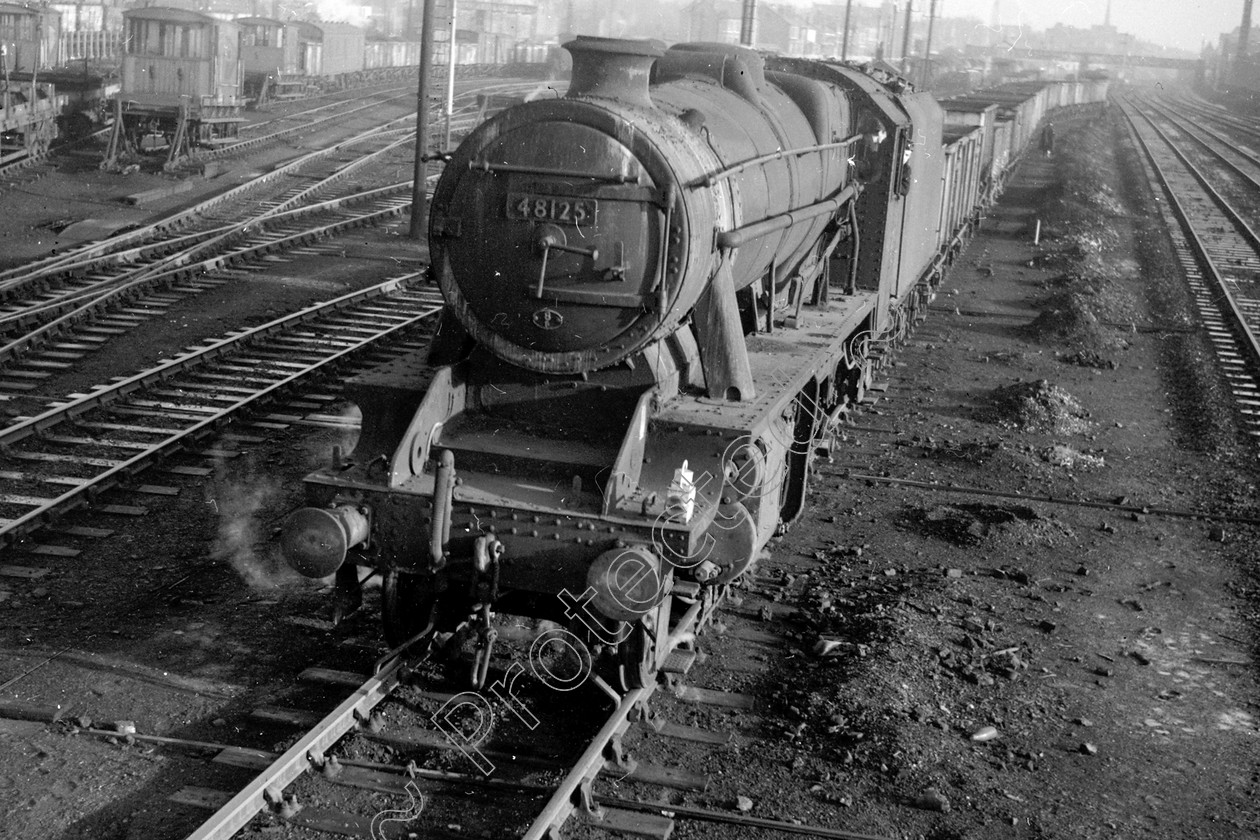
[283, 127]
[229, 206]
[303, 121]
[1213, 113]
[11, 173]
[335, 101]
[34, 294]
[1233, 169]
[464, 102]
[1219, 252]
[533, 754]
[307, 200]
[68, 454]
[82, 318]
[314, 749]
[212, 216]
[279, 127]
[542, 782]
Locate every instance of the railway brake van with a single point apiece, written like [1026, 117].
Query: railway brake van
[181, 85]
[31, 37]
[280, 60]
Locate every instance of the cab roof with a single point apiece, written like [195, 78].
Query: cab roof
[168, 14]
[24, 9]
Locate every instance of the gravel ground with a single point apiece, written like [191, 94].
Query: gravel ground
[1009, 667]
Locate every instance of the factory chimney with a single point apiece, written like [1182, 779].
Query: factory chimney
[1244, 32]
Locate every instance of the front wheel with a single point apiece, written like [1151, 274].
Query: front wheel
[636, 658]
[408, 605]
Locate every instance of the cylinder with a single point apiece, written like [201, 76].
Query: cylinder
[627, 582]
[314, 541]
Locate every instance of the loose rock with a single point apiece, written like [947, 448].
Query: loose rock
[932, 800]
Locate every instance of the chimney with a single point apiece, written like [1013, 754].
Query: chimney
[612, 68]
[1244, 32]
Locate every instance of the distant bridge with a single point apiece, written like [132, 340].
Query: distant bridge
[1086, 57]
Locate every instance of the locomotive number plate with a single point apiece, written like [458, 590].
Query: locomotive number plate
[559, 209]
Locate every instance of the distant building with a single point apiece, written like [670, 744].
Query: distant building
[720, 21]
[93, 16]
[818, 31]
[869, 28]
[560, 20]
[1103, 38]
[1228, 43]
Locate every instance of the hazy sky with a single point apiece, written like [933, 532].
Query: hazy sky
[1175, 23]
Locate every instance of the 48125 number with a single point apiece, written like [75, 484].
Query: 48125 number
[552, 208]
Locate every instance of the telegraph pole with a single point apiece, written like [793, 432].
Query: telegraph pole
[927, 51]
[450, 75]
[844, 45]
[748, 24]
[1244, 32]
[905, 38]
[419, 199]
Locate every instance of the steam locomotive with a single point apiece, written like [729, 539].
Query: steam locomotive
[663, 293]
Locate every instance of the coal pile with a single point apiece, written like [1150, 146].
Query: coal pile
[1038, 407]
[966, 524]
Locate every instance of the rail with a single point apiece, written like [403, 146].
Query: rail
[407, 310]
[115, 290]
[1243, 324]
[266, 789]
[78, 259]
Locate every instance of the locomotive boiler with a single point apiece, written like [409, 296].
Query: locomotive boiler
[663, 290]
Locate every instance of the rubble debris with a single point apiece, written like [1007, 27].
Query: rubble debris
[1067, 316]
[985, 733]
[828, 647]
[967, 524]
[1091, 359]
[1038, 407]
[932, 800]
[968, 451]
[1068, 458]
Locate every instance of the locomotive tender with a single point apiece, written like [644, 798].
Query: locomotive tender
[663, 292]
